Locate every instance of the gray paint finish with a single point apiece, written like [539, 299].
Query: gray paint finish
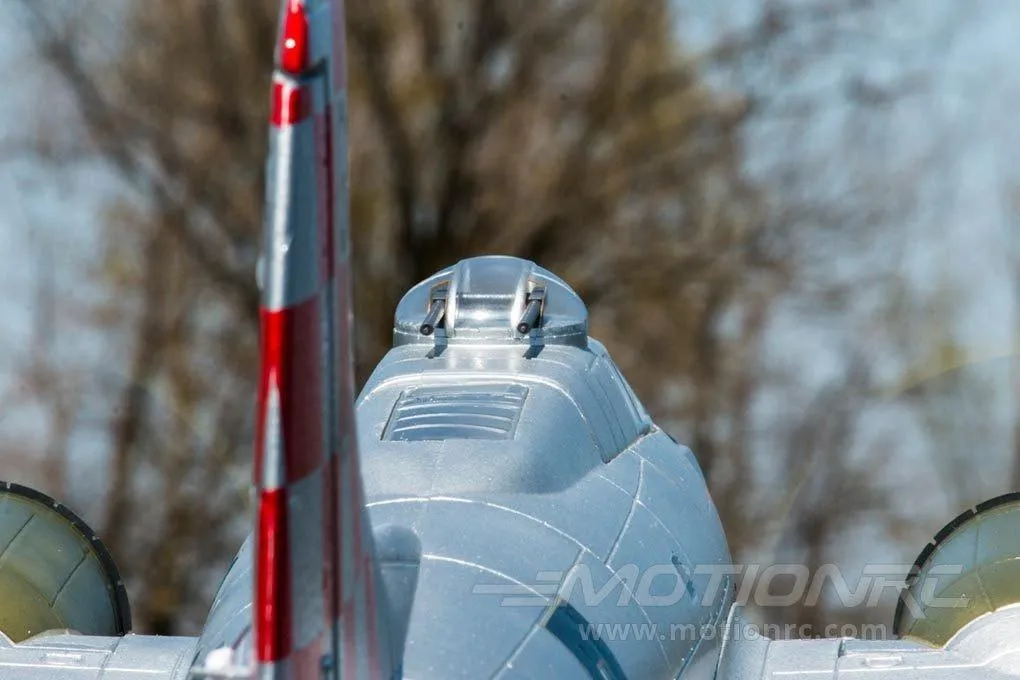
[514, 482]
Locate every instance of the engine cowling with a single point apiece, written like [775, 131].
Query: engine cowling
[55, 574]
[971, 568]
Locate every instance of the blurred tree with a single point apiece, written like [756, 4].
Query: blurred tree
[579, 134]
[44, 385]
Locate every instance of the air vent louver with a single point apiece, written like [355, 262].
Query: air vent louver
[489, 411]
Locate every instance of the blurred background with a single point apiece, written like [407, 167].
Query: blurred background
[793, 222]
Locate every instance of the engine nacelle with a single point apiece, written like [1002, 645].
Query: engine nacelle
[971, 568]
[55, 574]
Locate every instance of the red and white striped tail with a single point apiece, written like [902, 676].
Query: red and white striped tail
[318, 599]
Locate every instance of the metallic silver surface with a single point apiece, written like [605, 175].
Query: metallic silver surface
[515, 470]
[988, 648]
[80, 657]
[515, 486]
[507, 461]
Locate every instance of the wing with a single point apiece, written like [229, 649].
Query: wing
[64, 656]
[957, 617]
[56, 576]
[986, 649]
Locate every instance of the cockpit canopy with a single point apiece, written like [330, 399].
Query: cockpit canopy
[492, 300]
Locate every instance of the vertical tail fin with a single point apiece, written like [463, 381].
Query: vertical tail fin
[318, 599]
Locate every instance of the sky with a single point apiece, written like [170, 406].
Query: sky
[47, 227]
[948, 151]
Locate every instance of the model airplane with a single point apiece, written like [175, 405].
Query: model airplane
[500, 495]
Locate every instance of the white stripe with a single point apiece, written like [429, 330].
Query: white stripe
[274, 465]
[291, 235]
[279, 670]
[304, 522]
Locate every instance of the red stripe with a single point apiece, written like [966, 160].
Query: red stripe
[292, 349]
[291, 104]
[350, 632]
[331, 554]
[272, 579]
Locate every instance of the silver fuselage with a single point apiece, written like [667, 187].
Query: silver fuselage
[530, 478]
[529, 521]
